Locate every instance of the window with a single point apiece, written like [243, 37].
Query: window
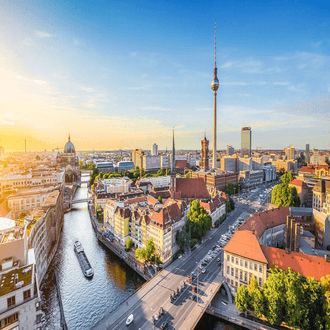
[241, 262]
[245, 277]
[38, 318]
[260, 269]
[241, 275]
[236, 261]
[11, 301]
[236, 284]
[228, 257]
[8, 320]
[260, 281]
[232, 259]
[250, 265]
[232, 271]
[246, 265]
[27, 294]
[255, 267]
[228, 270]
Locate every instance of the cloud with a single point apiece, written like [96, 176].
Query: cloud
[39, 82]
[227, 65]
[317, 44]
[132, 54]
[144, 87]
[291, 87]
[87, 89]
[43, 34]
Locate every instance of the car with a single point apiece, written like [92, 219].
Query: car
[193, 297]
[203, 270]
[218, 259]
[180, 256]
[129, 320]
[161, 311]
[164, 325]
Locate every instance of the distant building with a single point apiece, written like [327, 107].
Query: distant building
[105, 167]
[246, 141]
[229, 164]
[307, 154]
[2, 152]
[230, 150]
[290, 152]
[154, 151]
[205, 155]
[125, 165]
[217, 179]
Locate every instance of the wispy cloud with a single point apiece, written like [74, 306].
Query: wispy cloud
[39, 82]
[28, 42]
[232, 83]
[87, 89]
[317, 44]
[43, 34]
[140, 88]
[133, 54]
[290, 86]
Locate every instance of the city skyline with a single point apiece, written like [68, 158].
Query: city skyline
[120, 76]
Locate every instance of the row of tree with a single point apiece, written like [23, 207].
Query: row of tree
[302, 303]
[283, 194]
[230, 205]
[232, 189]
[133, 175]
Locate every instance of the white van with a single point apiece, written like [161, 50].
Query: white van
[129, 320]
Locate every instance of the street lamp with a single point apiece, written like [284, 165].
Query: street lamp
[197, 286]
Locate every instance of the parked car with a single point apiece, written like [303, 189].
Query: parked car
[161, 311]
[164, 325]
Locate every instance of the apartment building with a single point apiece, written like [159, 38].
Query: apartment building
[19, 293]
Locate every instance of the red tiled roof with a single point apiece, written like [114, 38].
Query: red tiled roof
[245, 244]
[212, 205]
[297, 182]
[307, 265]
[191, 188]
[259, 222]
[152, 200]
[307, 169]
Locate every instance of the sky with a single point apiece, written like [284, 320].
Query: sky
[122, 74]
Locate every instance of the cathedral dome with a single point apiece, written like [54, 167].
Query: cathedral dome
[69, 147]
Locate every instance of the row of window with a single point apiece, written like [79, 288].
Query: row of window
[243, 276]
[11, 301]
[244, 263]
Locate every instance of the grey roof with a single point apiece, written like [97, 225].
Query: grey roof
[69, 148]
[302, 211]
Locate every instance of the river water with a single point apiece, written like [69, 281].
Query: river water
[85, 301]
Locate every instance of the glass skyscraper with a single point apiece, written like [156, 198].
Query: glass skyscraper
[246, 141]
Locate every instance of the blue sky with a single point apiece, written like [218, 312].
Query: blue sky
[122, 74]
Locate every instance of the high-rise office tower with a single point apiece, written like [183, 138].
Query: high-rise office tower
[307, 153]
[246, 141]
[205, 155]
[215, 86]
[154, 150]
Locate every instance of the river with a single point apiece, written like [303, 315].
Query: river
[86, 301]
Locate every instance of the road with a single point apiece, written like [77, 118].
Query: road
[158, 291]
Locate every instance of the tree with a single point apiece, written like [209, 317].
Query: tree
[183, 239]
[160, 200]
[284, 195]
[99, 212]
[129, 244]
[187, 175]
[140, 254]
[150, 249]
[256, 297]
[281, 171]
[274, 293]
[199, 220]
[242, 298]
[287, 177]
[232, 203]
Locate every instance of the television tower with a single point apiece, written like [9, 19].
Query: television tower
[215, 86]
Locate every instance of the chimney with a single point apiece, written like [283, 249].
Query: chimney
[287, 251]
[253, 232]
[323, 186]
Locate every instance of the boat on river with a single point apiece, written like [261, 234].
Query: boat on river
[83, 260]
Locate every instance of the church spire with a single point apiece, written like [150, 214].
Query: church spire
[69, 136]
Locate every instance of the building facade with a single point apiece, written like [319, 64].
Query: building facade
[246, 141]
